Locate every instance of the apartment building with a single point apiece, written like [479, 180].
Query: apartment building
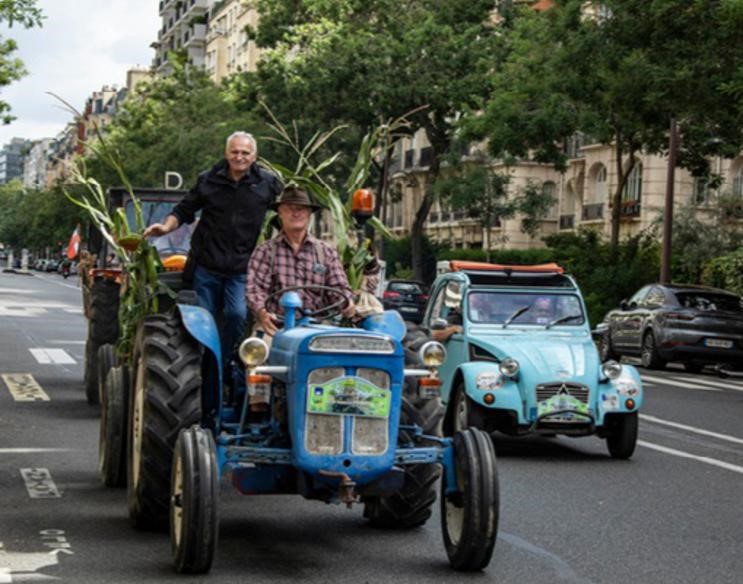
[12, 156]
[62, 149]
[35, 164]
[229, 48]
[183, 28]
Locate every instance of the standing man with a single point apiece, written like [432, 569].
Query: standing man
[295, 258]
[233, 198]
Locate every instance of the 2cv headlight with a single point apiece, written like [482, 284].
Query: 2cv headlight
[611, 369]
[509, 367]
[253, 352]
[432, 354]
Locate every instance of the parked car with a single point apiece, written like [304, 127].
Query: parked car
[408, 297]
[696, 325]
[52, 266]
[524, 361]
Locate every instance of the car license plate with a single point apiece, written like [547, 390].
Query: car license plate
[408, 309]
[718, 343]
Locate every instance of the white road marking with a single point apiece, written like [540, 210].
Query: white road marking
[20, 291]
[23, 387]
[682, 454]
[63, 342]
[52, 356]
[722, 384]
[32, 450]
[39, 483]
[675, 383]
[717, 435]
[74, 310]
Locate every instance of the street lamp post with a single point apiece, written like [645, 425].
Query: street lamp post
[665, 259]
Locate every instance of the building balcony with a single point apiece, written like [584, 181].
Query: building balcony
[194, 36]
[567, 221]
[593, 212]
[630, 209]
[194, 8]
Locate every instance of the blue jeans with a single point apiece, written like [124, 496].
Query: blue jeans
[224, 297]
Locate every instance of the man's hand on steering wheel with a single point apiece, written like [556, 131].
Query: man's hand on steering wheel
[343, 305]
[268, 321]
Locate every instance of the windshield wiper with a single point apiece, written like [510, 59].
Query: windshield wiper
[563, 319]
[516, 314]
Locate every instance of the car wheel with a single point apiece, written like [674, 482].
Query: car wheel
[622, 438]
[649, 355]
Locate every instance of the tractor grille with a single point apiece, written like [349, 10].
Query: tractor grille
[547, 390]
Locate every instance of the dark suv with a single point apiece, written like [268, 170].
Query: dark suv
[696, 325]
[408, 297]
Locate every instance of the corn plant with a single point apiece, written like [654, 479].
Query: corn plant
[353, 249]
[139, 260]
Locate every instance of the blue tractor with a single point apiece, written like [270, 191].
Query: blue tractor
[347, 422]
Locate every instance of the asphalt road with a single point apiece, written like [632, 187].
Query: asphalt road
[569, 513]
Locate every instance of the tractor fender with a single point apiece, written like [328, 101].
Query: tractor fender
[201, 326]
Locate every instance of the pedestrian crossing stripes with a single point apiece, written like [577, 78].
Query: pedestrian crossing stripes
[52, 356]
[23, 387]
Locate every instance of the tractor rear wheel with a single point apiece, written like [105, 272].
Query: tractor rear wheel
[166, 397]
[194, 498]
[413, 505]
[103, 328]
[469, 517]
[112, 438]
[106, 360]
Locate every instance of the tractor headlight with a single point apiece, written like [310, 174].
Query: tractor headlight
[509, 367]
[432, 354]
[611, 370]
[253, 352]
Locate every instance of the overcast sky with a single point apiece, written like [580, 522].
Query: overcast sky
[82, 45]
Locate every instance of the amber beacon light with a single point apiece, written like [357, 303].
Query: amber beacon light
[362, 205]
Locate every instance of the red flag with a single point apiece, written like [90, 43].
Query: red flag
[74, 246]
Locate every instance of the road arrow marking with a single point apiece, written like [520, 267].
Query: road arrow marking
[39, 483]
[23, 387]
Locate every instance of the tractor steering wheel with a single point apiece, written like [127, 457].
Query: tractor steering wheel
[326, 312]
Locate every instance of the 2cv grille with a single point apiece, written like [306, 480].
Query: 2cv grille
[547, 390]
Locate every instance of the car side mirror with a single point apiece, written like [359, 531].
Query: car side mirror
[438, 324]
[623, 305]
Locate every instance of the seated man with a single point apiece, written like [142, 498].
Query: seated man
[294, 258]
[544, 310]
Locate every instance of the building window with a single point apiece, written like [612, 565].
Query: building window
[633, 186]
[738, 183]
[701, 190]
[602, 185]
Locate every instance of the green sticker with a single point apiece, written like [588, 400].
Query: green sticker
[562, 402]
[352, 396]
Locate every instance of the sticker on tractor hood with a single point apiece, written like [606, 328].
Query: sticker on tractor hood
[349, 396]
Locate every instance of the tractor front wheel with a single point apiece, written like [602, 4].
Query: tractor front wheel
[166, 397]
[194, 498]
[469, 517]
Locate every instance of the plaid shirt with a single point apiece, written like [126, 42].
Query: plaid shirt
[289, 269]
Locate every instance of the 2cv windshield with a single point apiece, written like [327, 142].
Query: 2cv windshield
[505, 308]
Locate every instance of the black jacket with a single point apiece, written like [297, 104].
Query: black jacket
[231, 216]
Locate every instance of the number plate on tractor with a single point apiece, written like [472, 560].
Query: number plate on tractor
[352, 396]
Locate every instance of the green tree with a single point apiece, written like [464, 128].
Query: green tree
[359, 62]
[176, 123]
[28, 15]
[619, 71]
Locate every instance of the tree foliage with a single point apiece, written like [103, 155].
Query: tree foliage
[360, 62]
[27, 14]
[619, 71]
[176, 123]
